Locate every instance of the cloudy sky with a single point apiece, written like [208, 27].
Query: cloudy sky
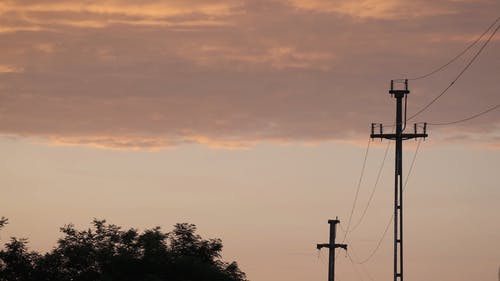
[250, 119]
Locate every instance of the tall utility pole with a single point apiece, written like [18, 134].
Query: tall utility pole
[331, 248]
[399, 136]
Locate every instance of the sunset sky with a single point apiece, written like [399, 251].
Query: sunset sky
[251, 119]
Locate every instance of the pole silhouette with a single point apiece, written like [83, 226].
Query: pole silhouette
[331, 248]
[399, 136]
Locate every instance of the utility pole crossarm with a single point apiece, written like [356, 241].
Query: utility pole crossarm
[326, 245]
[394, 136]
[343, 246]
[377, 132]
[319, 246]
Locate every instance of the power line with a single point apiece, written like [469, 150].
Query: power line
[365, 260]
[417, 149]
[369, 257]
[457, 77]
[363, 268]
[458, 55]
[320, 257]
[357, 190]
[360, 277]
[468, 118]
[374, 188]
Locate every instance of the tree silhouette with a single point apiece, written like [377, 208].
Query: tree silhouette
[105, 252]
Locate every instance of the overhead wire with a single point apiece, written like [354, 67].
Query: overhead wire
[362, 266]
[320, 257]
[374, 251]
[360, 277]
[457, 77]
[458, 55]
[357, 189]
[379, 243]
[374, 188]
[467, 118]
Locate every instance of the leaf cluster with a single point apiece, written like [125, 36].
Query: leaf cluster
[106, 252]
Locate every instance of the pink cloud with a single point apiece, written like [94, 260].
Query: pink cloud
[230, 73]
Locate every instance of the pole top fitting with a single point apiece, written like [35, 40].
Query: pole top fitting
[399, 92]
[335, 221]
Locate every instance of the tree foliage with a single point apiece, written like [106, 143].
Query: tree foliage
[106, 252]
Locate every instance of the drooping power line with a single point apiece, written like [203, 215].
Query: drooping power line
[457, 77]
[358, 274]
[352, 260]
[458, 55]
[355, 226]
[468, 118]
[357, 191]
[379, 243]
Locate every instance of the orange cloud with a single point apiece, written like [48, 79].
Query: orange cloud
[98, 14]
[115, 74]
[144, 143]
[10, 69]
[279, 57]
[377, 9]
[148, 9]
[12, 29]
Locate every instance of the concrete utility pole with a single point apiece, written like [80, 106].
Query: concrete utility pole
[331, 248]
[399, 136]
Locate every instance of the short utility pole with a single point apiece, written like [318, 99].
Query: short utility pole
[399, 136]
[331, 248]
